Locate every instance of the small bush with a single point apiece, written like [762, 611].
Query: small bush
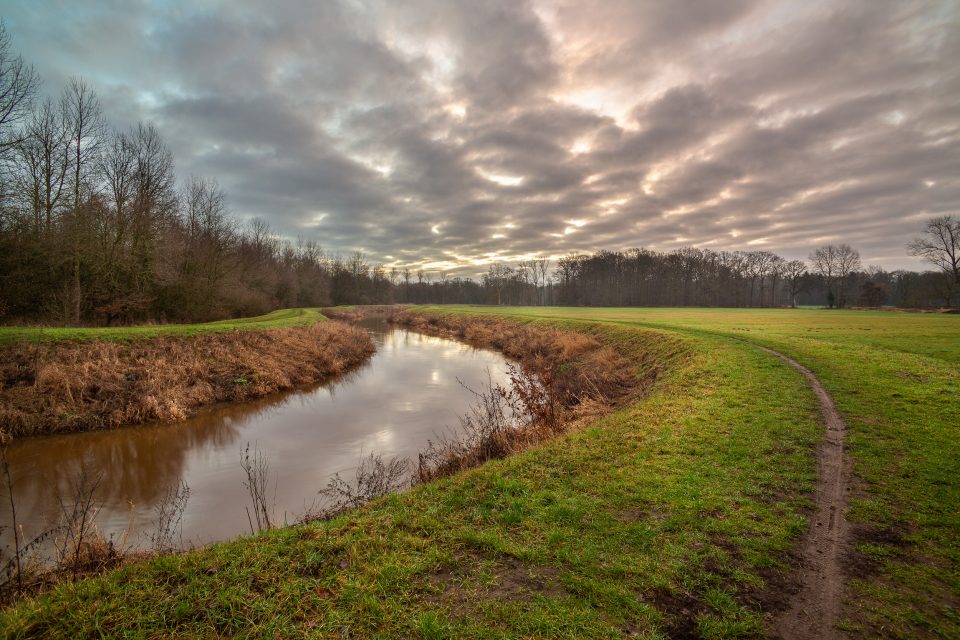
[373, 479]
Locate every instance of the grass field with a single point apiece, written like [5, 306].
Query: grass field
[273, 320]
[673, 517]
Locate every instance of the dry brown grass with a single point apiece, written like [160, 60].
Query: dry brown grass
[79, 386]
[559, 378]
[355, 314]
[577, 367]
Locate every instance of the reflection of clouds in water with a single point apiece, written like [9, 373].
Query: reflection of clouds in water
[378, 441]
[405, 395]
[138, 466]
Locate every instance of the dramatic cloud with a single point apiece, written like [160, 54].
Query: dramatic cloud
[444, 134]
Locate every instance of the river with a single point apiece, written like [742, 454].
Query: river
[413, 388]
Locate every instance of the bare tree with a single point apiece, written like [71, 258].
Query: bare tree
[210, 232]
[541, 266]
[824, 262]
[835, 263]
[848, 262]
[496, 278]
[118, 172]
[117, 168]
[757, 264]
[18, 87]
[87, 127]
[795, 275]
[526, 277]
[405, 274]
[442, 279]
[940, 245]
[777, 271]
[43, 158]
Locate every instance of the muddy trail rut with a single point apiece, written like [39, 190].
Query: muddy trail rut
[815, 609]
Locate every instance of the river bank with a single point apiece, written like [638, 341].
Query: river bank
[80, 385]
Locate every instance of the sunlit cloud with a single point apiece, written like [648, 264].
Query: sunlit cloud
[451, 135]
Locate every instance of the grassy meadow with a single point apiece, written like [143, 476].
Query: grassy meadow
[274, 320]
[674, 516]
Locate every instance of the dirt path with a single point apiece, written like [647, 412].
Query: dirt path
[815, 609]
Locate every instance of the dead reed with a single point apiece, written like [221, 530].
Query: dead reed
[80, 386]
[373, 478]
[557, 378]
[167, 535]
[72, 547]
[575, 367]
[257, 483]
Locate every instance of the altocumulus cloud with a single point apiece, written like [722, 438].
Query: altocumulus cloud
[447, 134]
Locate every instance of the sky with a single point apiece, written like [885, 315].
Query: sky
[446, 134]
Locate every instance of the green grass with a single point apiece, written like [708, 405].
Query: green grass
[675, 514]
[273, 320]
[896, 379]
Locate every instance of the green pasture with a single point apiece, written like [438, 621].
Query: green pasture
[273, 320]
[674, 516]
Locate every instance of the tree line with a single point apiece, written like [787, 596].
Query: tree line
[833, 277]
[95, 228]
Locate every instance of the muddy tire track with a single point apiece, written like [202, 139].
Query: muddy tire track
[815, 609]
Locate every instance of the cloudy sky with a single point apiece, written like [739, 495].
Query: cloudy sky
[446, 133]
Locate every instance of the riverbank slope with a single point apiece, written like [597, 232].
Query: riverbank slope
[80, 379]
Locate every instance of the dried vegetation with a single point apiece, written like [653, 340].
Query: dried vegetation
[80, 386]
[71, 546]
[557, 377]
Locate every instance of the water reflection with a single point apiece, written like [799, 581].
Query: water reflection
[402, 397]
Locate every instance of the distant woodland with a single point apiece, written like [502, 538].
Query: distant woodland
[96, 228]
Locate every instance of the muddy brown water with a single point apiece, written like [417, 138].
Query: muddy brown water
[413, 388]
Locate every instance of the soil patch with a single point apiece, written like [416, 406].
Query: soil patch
[815, 608]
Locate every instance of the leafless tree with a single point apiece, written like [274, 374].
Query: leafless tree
[848, 261]
[87, 127]
[18, 87]
[43, 155]
[114, 221]
[940, 245]
[442, 278]
[496, 278]
[210, 232]
[835, 263]
[777, 271]
[795, 275]
[824, 262]
[525, 277]
[541, 266]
